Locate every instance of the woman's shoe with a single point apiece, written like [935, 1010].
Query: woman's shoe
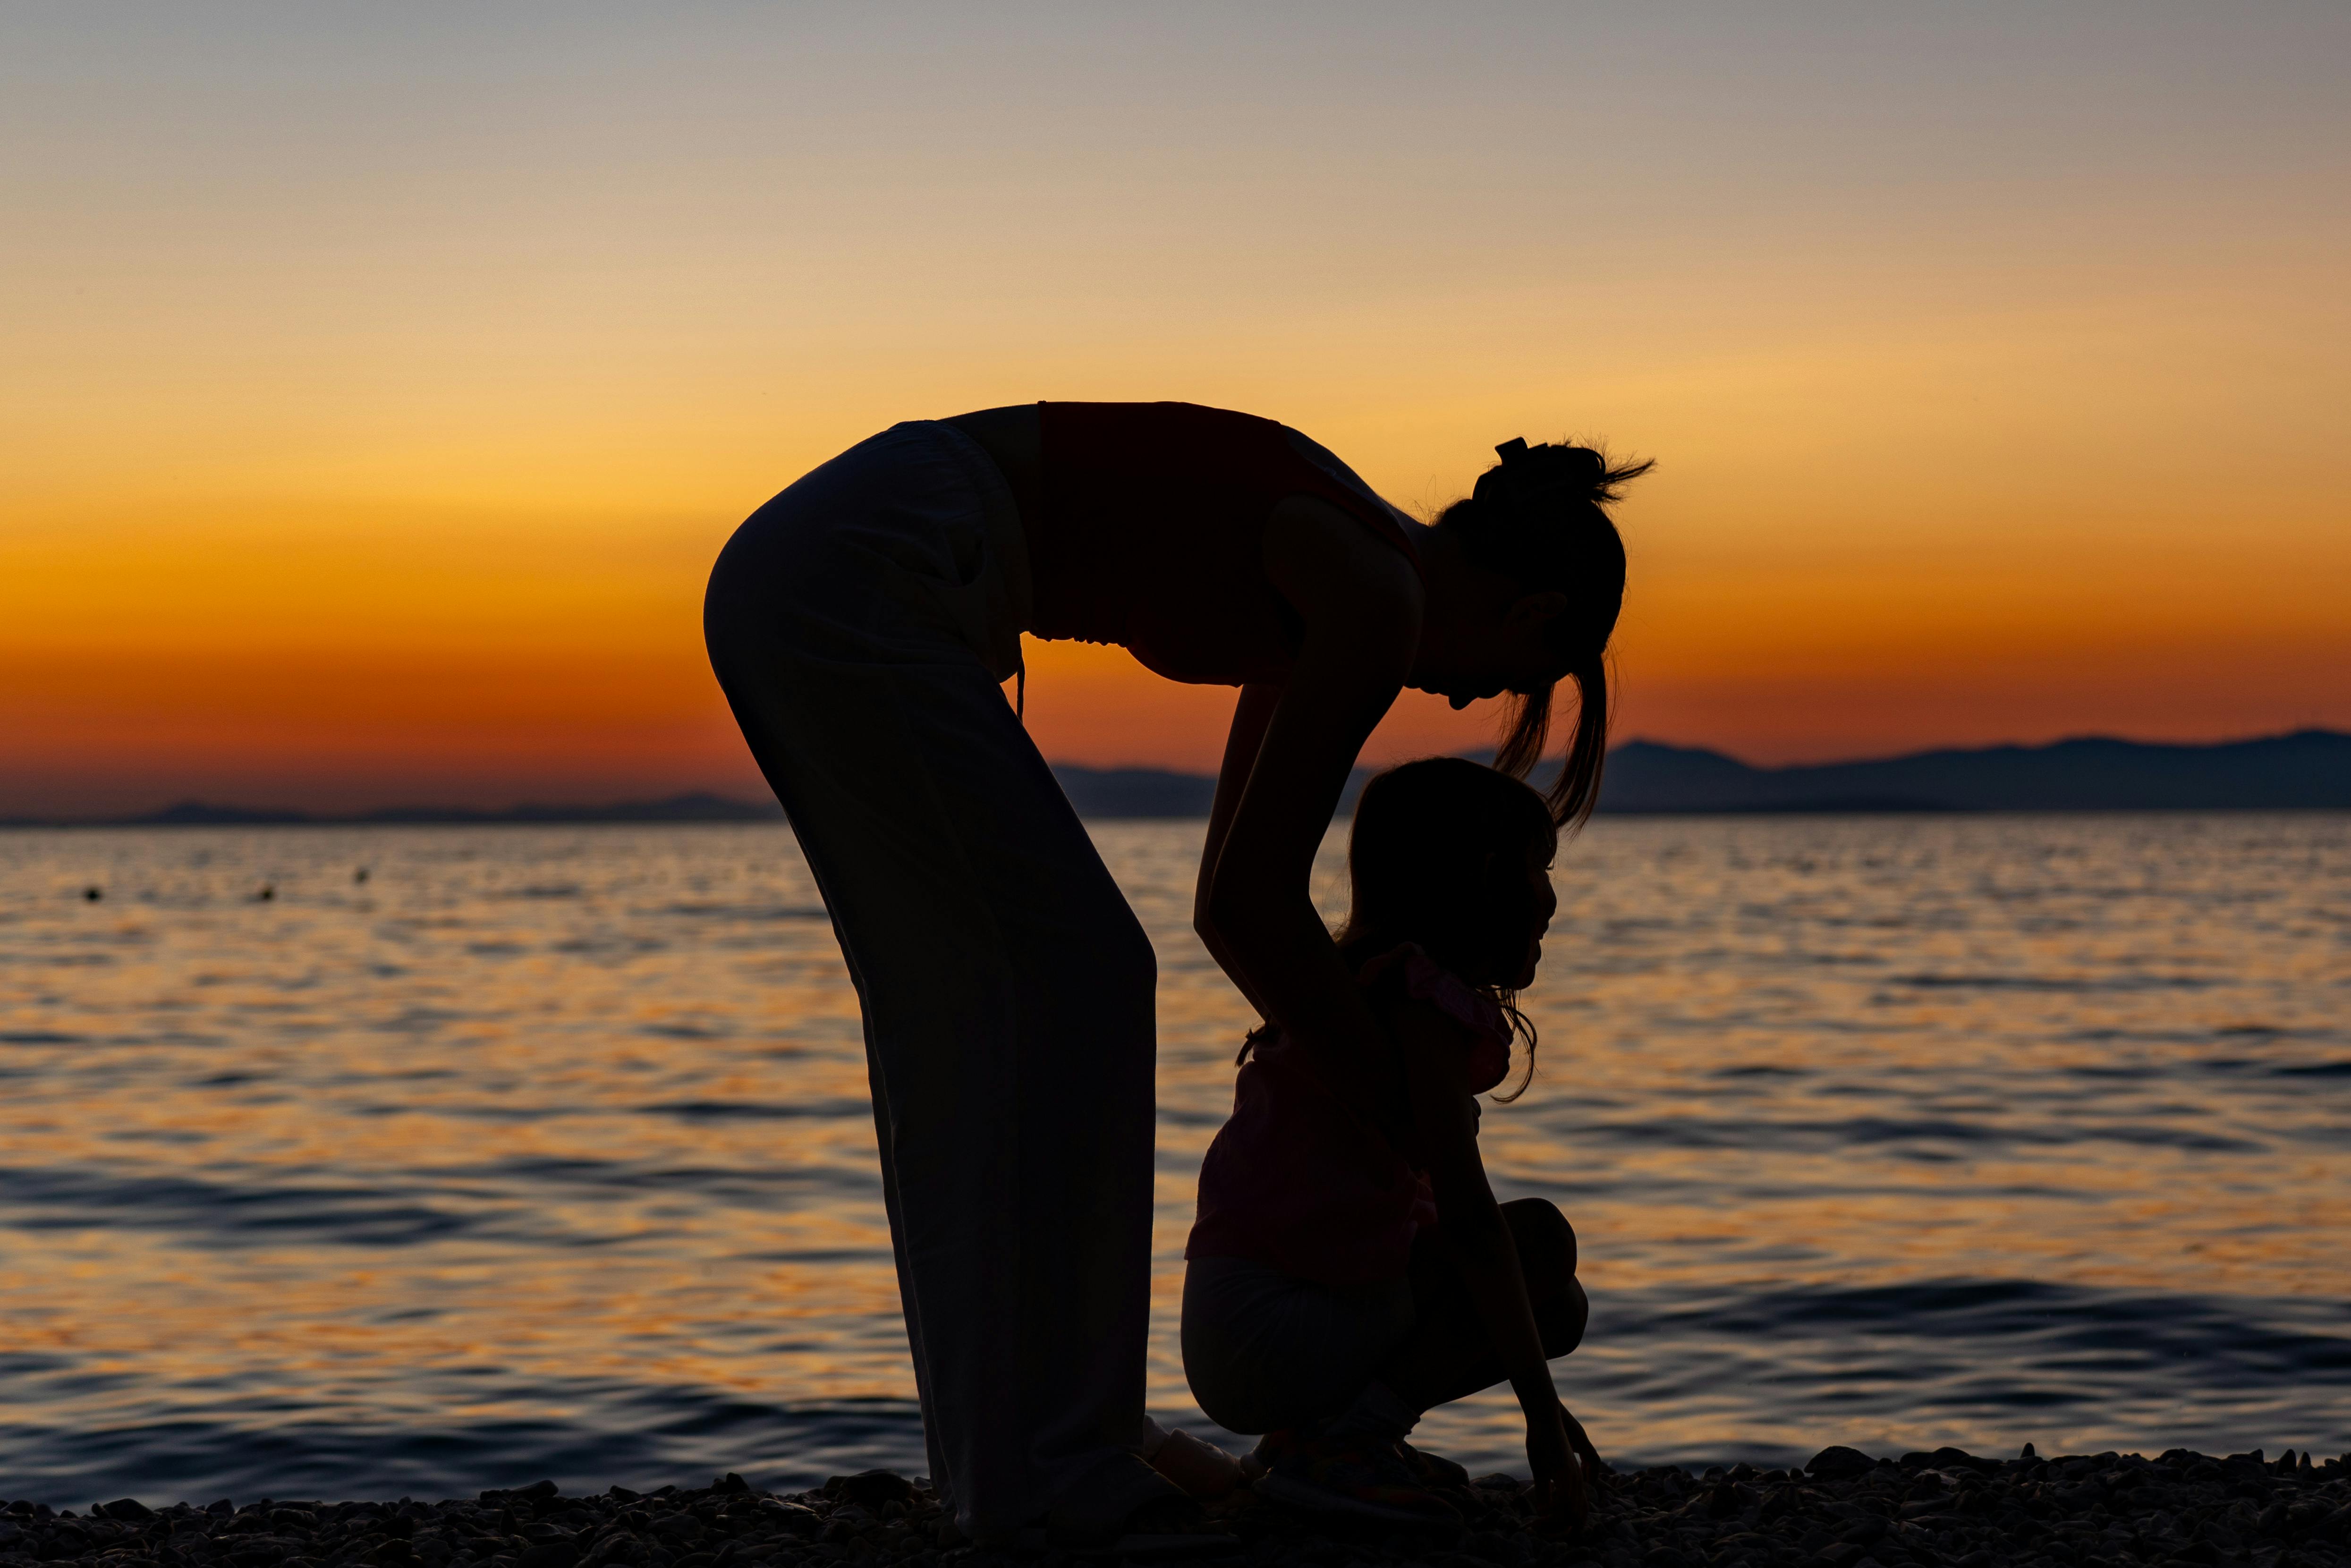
[1121, 1496]
[1348, 1474]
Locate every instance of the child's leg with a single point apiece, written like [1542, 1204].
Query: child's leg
[1264, 1350]
[1351, 1461]
[1447, 1357]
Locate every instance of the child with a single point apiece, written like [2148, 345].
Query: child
[1350, 1268]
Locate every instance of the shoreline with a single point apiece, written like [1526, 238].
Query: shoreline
[1842, 1509]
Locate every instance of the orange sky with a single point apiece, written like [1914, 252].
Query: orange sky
[377, 396]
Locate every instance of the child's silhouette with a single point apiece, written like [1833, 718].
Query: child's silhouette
[1350, 1268]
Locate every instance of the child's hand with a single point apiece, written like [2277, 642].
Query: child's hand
[1596, 1470]
[1553, 1459]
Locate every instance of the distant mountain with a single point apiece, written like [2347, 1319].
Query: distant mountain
[2309, 767]
[692, 808]
[1116, 792]
[1112, 793]
[700, 806]
[202, 814]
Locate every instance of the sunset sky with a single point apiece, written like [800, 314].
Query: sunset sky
[381, 380]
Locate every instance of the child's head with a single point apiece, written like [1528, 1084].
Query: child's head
[1457, 857]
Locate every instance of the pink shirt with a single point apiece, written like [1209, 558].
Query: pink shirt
[1297, 1180]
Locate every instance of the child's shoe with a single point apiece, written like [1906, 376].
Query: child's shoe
[1203, 1470]
[1434, 1470]
[1347, 1473]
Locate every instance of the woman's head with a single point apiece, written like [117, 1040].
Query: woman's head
[1457, 857]
[1535, 600]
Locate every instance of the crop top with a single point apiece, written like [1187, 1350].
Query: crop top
[1296, 1179]
[1151, 534]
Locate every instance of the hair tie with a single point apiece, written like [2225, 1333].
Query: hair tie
[1527, 473]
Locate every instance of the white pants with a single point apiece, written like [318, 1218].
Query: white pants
[861, 623]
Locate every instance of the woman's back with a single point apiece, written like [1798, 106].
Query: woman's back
[1146, 521]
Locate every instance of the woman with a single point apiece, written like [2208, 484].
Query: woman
[861, 623]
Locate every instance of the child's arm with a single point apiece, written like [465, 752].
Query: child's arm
[1445, 1126]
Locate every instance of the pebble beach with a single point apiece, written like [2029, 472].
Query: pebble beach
[1843, 1510]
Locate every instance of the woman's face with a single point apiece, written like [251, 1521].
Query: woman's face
[1470, 652]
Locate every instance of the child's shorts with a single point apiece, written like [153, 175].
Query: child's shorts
[1266, 1350]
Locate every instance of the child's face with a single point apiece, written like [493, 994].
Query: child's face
[1543, 902]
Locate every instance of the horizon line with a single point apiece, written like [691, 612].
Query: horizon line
[193, 810]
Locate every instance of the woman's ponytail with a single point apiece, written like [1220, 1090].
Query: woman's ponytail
[1539, 516]
[1576, 791]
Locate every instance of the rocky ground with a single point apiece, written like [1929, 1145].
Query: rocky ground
[1843, 1510]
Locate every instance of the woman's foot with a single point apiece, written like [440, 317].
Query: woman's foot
[1347, 1473]
[1121, 1496]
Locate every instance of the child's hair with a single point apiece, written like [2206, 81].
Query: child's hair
[1438, 856]
[1539, 516]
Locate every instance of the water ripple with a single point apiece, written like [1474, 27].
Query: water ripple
[546, 1152]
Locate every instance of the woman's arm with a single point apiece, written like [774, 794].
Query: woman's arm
[1251, 715]
[1445, 1128]
[1360, 602]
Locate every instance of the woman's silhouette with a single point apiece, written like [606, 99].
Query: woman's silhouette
[862, 622]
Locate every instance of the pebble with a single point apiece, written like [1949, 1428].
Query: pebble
[1844, 1510]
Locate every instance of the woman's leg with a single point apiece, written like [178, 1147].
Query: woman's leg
[1007, 990]
[1448, 1356]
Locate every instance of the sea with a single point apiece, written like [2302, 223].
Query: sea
[412, 1160]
